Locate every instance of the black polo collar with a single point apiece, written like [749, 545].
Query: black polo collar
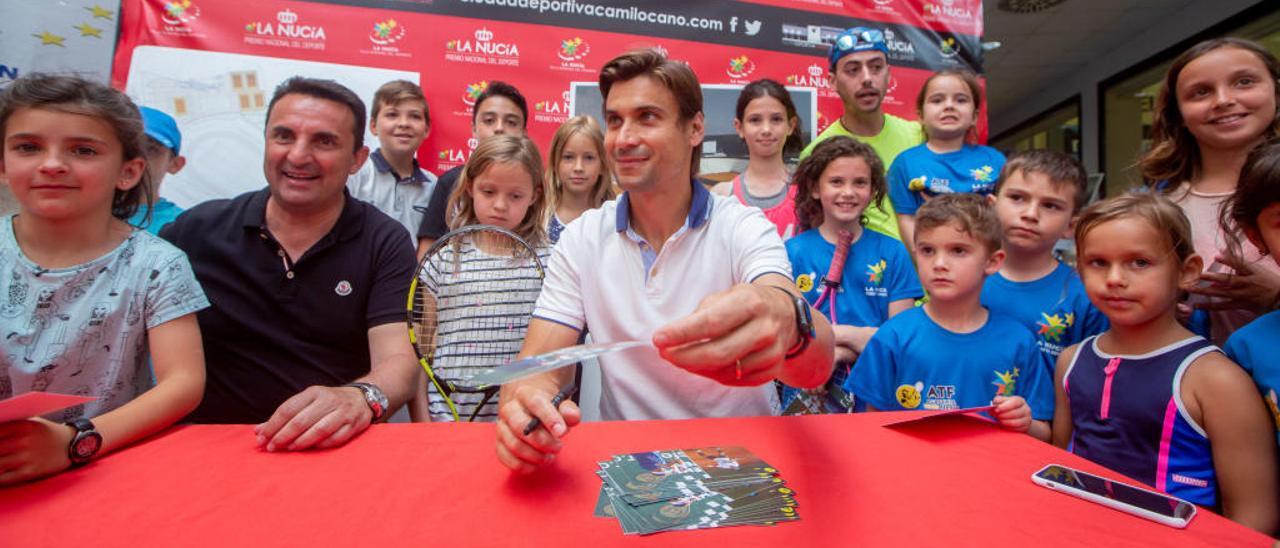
[350, 221]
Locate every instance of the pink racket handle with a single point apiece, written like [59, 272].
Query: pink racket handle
[836, 270]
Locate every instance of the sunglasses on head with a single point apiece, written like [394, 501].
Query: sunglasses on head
[849, 41]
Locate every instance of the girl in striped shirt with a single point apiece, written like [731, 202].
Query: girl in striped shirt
[501, 185]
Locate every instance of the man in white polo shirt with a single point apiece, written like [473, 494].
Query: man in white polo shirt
[704, 278]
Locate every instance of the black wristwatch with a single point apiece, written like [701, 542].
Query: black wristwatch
[85, 444]
[804, 323]
[374, 397]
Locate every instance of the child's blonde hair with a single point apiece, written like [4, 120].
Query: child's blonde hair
[74, 95]
[580, 125]
[1166, 217]
[502, 149]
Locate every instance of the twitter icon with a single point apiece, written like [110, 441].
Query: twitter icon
[751, 27]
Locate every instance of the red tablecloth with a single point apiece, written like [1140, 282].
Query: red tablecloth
[956, 481]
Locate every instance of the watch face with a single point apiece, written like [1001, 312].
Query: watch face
[805, 318]
[87, 446]
[374, 397]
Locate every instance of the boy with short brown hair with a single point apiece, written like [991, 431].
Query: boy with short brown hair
[1036, 198]
[392, 180]
[952, 352]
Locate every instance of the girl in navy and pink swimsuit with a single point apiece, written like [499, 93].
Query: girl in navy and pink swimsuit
[1127, 415]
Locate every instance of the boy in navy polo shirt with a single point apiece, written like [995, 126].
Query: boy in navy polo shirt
[1037, 196]
[164, 142]
[392, 180]
[952, 352]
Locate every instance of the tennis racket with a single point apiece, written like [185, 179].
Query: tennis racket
[831, 397]
[831, 282]
[468, 310]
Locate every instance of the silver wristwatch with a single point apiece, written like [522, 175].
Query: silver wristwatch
[374, 397]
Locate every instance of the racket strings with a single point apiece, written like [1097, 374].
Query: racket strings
[476, 295]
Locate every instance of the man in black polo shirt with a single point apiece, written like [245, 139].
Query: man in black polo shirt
[306, 333]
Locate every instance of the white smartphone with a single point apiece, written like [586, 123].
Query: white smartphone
[1144, 503]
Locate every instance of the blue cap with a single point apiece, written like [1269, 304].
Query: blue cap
[854, 40]
[162, 128]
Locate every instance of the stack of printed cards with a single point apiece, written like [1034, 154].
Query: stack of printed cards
[692, 489]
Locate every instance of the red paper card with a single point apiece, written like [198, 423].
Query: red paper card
[929, 415]
[34, 404]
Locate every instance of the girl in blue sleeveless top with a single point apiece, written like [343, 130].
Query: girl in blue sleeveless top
[1148, 398]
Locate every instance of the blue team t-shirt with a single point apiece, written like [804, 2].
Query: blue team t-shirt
[877, 271]
[163, 212]
[1254, 348]
[919, 172]
[913, 363]
[1055, 308]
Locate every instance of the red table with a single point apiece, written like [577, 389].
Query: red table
[955, 481]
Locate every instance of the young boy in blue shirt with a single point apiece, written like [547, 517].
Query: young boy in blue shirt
[952, 352]
[164, 142]
[392, 180]
[1037, 196]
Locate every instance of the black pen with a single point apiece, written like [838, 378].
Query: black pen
[559, 398]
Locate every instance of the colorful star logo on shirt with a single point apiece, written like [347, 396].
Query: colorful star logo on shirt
[89, 30]
[983, 174]
[1053, 327]
[1005, 382]
[50, 39]
[875, 272]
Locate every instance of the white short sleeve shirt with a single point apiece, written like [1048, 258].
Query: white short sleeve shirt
[603, 276]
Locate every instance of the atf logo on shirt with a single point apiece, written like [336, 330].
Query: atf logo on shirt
[940, 397]
[939, 186]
